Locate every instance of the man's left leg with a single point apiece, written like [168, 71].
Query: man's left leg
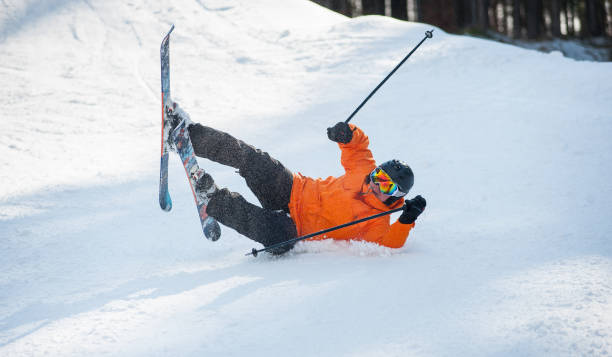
[262, 225]
[267, 178]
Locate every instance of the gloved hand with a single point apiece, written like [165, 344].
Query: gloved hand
[412, 209]
[340, 133]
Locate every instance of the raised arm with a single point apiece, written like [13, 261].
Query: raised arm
[353, 142]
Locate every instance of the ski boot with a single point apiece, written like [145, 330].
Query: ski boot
[205, 186]
[176, 115]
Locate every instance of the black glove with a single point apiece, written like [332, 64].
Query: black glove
[412, 209]
[340, 133]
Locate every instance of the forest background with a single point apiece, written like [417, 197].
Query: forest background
[581, 29]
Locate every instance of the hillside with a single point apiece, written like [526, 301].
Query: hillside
[511, 148]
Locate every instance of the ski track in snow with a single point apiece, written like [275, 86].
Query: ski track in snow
[510, 147]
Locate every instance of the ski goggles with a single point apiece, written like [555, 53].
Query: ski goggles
[385, 183]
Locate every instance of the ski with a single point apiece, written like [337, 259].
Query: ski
[179, 139]
[165, 202]
[182, 143]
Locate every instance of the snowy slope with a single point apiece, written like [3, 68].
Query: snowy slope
[510, 147]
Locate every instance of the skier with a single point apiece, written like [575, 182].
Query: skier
[293, 204]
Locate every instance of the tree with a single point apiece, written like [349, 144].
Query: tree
[483, 14]
[555, 18]
[475, 10]
[462, 13]
[585, 18]
[540, 17]
[504, 17]
[516, 19]
[533, 20]
[373, 7]
[399, 9]
[419, 9]
[595, 17]
[569, 21]
[440, 13]
[492, 14]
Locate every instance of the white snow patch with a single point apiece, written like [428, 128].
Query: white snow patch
[510, 147]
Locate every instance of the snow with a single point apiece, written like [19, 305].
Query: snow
[511, 148]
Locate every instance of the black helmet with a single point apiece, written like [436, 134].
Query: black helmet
[400, 173]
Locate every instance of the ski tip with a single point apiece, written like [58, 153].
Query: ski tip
[165, 40]
[212, 230]
[167, 207]
[166, 204]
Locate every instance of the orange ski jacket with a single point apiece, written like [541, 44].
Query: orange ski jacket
[318, 204]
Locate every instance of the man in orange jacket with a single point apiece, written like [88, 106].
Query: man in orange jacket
[295, 205]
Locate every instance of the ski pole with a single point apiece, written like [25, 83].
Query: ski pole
[254, 251]
[428, 34]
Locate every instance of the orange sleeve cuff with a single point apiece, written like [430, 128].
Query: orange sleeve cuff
[397, 235]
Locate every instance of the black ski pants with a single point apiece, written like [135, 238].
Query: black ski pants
[269, 180]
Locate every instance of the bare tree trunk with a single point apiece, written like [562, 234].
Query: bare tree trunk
[399, 9]
[472, 12]
[462, 13]
[569, 19]
[516, 19]
[440, 13]
[582, 19]
[474, 5]
[595, 16]
[608, 16]
[449, 16]
[504, 18]
[533, 25]
[571, 14]
[419, 10]
[492, 14]
[373, 7]
[483, 14]
[555, 18]
[540, 16]
[430, 11]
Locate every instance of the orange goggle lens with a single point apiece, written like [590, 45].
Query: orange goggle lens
[384, 182]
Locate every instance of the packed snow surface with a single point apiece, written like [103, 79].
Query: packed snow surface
[511, 148]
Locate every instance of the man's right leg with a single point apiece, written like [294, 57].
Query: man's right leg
[267, 178]
[262, 225]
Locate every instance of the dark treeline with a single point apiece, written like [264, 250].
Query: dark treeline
[532, 19]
